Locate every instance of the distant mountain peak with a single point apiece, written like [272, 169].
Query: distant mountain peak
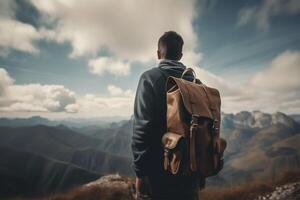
[257, 119]
[281, 118]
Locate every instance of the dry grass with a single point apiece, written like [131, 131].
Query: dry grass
[244, 191]
[93, 193]
[88, 193]
[248, 190]
[119, 190]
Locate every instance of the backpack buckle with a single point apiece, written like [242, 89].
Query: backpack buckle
[195, 119]
[214, 126]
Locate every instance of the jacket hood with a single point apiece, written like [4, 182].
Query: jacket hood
[171, 64]
[175, 68]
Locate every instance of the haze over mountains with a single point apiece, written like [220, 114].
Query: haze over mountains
[56, 156]
[70, 122]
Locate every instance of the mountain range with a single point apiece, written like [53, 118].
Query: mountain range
[30, 174]
[259, 145]
[39, 152]
[70, 122]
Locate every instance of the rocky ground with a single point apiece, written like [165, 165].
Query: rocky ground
[113, 182]
[286, 192]
[116, 187]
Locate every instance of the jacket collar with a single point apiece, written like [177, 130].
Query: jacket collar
[171, 64]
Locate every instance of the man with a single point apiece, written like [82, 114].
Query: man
[152, 182]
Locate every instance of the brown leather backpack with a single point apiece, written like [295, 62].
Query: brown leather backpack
[192, 143]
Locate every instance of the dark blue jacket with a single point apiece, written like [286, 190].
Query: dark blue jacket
[149, 122]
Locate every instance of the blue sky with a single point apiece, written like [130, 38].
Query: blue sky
[83, 59]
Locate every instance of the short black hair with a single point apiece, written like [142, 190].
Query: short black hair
[170, 43]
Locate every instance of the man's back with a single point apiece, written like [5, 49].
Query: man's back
[148, 128]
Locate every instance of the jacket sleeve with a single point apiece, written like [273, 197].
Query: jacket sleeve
[142, 126]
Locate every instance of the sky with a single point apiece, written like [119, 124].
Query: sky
[83, 58]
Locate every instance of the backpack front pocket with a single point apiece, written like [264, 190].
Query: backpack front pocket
[173, 144]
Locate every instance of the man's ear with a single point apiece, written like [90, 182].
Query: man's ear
[180, 56]
[158, 55]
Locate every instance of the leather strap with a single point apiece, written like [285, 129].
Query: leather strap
[166, 160]
[189, 70]
[215, 131]
[193, 132]
[193, 162]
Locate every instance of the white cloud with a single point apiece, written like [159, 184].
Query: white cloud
[114, 90]
[261, 15]
[117, 91]
[15, 34]
[277, 88]
[5, 81]
[129, 35]
[72, 108]
[128, 29]
[246, 15]
[282, 74]
[91, 105]
[38, 99]
[18, 36]
[106, 64]
[225, 87]
[33, 97]
[191, 58]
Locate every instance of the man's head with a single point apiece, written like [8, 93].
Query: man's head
[170, 46]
